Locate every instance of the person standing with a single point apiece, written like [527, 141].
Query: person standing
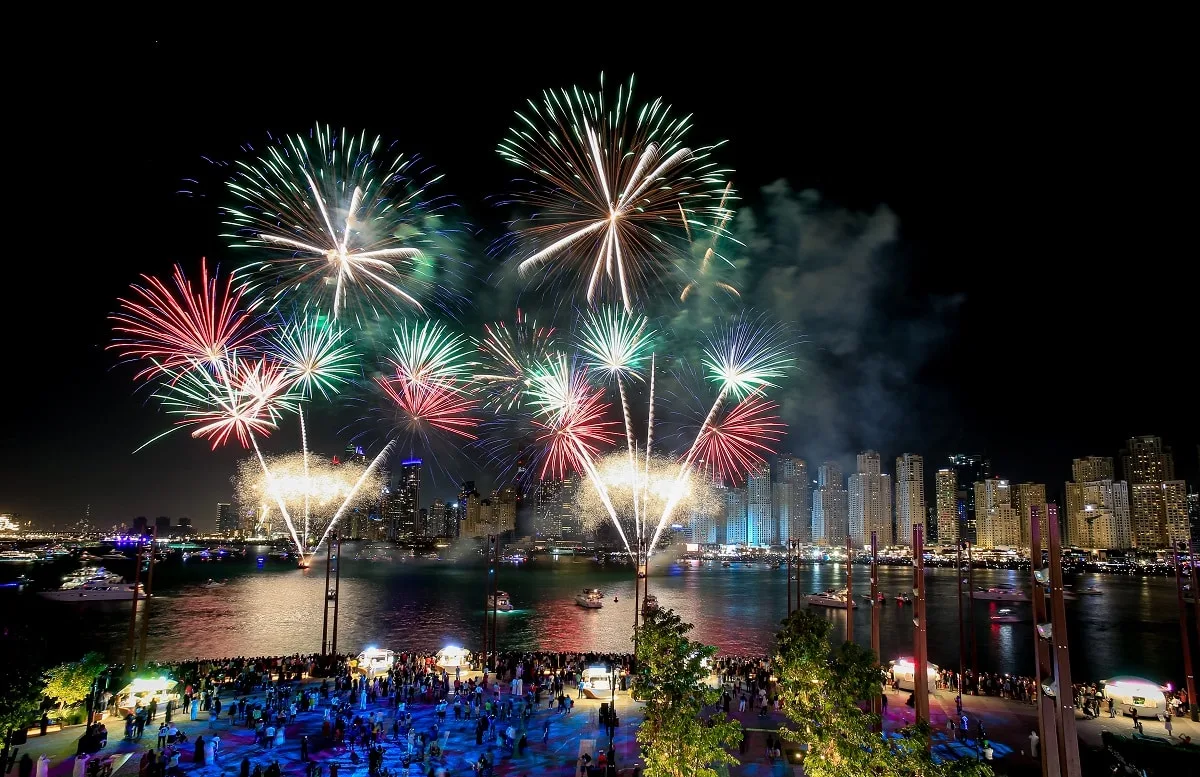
[1033, 743]
[1167, 725]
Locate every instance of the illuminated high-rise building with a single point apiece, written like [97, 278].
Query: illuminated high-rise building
[1147, 465]
[969, 469]
[1175, 505]
[998, 524]
[504, 509]
[869, 502]
[546, 503]
[945, 488]
[1026, 496]
[910, 496]
[1092, 468]
[227, 521]
[404, 500]
[831, 509]
[736, 532]
[791, 499]
[1098, 514]
[761, 527]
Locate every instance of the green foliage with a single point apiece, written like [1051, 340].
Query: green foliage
[824, 696]
[675, 739]
[69, 683]
[20, 688]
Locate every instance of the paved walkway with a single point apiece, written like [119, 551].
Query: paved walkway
[1007, 723]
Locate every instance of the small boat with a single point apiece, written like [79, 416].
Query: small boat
[214, 584]
[832, 598]
[590, 598]
[726, 564]
[880, 597]
[96, 591]
[1003, 594]
[649, 603]
[903, 599]
[1006, 615]
[1091, 590]
[500, 602]
[18, 557]
[114, 556]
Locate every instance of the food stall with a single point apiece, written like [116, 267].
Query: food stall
[373, 661]
[1135, 692]
[905, 673]
[597, 681]
[453, 657]
[142, 690]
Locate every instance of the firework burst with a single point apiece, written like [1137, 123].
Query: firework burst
[426, 408]
[613, 188]
[745, 356]
[736, 441]
[705, 240]
[508, 357]
[615, 344]
[428, 354]
[341, 218]
[646, 486]
[315, 355]
[172, 329]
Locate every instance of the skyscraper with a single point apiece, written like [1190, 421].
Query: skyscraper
[946, 495]
[1098, 513]
[1175, 506]
[761, 528]
[1026, 496]
[546, 503]
[504, 509]
[1147, 465]
[407, 499]
[869, 498]
[735, 516]
[162, 524]
[1092, 468]
[969, 469]
[441, 519]
[910, 496]
[791, 498]
[998, 524]
[831, 511]
[227, 521]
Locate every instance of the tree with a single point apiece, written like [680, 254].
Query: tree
[20, 691]
[675, 739]
[825, 697]
[70, 683]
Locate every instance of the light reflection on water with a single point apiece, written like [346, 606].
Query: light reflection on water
[1131, 629]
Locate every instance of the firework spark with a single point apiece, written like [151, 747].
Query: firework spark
[315, 355]
[613, 188]
[339, 217]
[427, 407]
[428, 354]
[171, 329]
[705, 242]
[652, 484]
[615, 343]
[746, 355]
[509, 357]
[731, 445]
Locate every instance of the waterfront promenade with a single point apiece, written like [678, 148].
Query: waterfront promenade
[1007, 723]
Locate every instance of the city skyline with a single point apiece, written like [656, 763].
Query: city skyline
[892, 254]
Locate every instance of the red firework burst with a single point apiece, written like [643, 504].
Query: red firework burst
[175, 328]
[573, 436]
[438, 405]
[734, 443]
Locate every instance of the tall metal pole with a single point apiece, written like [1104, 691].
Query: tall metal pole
[876, 699]
[137, 574]
[849, 589]
[962, 634]
[325, 602]
[487, 609]
[335, 549]
[1184, 636]
[1047, 705]
[1068, 739]
[149, 593]
[1195, 584]
[971, 615]
[637, 584]
[920, 647]
[495, 596]
[788, 584]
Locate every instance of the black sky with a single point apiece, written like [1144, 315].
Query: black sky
[1032, 202]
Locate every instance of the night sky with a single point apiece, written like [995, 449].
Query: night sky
[1027, 299]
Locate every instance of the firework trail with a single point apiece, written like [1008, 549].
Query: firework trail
[172, 329]
[735, 441]
[704, 274]
[615, 344]
[367, 473]
[508, 357]
[316, 359]
[613, 188]
[424, 408]
[339, 214]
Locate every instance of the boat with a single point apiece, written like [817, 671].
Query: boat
[1091, 590]
[18, 557]
[903, 599]
[591, 598]
[1000, 595]
[96, 591]
[500, 602]
[85, 575]
[726, 564]
[114, 556]
[1006, 615]
[214, 584]
[832, 598]
[880, 597]
[649, 603]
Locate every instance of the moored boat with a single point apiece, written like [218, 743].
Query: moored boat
[500, 602]
[96, 591]
[591, 598]
[832, 598]
[1006, 615]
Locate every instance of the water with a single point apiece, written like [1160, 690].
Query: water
[1132, 629]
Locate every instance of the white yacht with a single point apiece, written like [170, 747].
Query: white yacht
[591, 598]
[90, 575]
[500, 602]
[96, 591]
[1000, 594]
[832, 598]
[18, 557]
[1006, 615]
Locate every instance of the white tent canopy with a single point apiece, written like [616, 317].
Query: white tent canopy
[453, 657]
[905, 672]
[1136, 692]
[375, 660]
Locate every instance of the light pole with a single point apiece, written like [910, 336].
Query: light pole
[1047, 727]
[920, 647]
[130, 654]
[849, 589]
[1184, 635]
[1060, 691]
[788, 584]
[876, 697]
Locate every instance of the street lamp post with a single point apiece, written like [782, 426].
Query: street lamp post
[1044, 666]
[788, 584]
[920, 646]
[849, 589]
[1184, 635]
[876, 697]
